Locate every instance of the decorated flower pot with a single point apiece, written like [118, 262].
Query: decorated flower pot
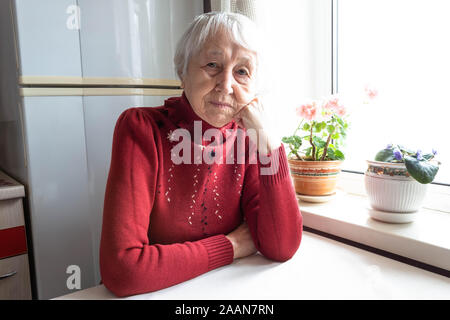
[315, 178]
[392, 190]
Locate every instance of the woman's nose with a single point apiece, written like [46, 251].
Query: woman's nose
[225, 82]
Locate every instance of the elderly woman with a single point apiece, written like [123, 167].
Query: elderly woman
[167, 221]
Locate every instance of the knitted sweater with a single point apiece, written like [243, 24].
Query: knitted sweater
[165, 223]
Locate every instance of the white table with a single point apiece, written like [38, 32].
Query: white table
[321, 269]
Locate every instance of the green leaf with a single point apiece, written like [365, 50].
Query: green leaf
[318, 142]
[331, 154]
[306, 127]
[385, 155]
[428, 156]
[339, 155]
[331, 128]
[297, 139]
[293, 140]
[317, 127]
[424, 172]
[308, 152]
[406, 150]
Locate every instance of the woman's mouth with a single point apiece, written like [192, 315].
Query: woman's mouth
[221, 105]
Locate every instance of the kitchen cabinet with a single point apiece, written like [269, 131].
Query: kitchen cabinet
[14, 266]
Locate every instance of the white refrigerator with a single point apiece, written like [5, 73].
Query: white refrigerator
[68, 69]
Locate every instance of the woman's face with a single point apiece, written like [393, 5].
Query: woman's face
[220, 80]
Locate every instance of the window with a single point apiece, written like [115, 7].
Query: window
[400, 48]
[298, 47]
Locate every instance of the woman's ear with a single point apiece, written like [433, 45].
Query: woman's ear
[182, 84]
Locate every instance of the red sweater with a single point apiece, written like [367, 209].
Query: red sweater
[165, 223]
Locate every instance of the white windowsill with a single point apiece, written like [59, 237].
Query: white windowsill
[347, 216]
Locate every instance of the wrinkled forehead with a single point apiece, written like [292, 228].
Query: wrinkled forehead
[223, 43]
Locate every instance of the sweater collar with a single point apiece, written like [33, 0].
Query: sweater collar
[183, 116]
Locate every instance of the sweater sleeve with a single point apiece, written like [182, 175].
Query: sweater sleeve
[271, 208]
[128, 263]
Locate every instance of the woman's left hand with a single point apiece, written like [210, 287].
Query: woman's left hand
[252, 116]
[242, 241]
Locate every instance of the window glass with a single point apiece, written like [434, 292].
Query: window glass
[401, 49]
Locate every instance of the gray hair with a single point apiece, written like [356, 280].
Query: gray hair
[240, 29]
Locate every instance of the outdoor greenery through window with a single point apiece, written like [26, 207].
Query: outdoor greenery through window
[399, 50]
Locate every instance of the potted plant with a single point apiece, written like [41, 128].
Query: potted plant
[315, 155]
[396, 182]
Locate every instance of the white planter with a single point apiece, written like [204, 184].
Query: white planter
[393, 194]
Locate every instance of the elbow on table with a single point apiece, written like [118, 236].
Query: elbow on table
[283, 251]
[122, 278]
[119, 286]
[280, 255]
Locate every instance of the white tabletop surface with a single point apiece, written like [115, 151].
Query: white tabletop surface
[321, 269]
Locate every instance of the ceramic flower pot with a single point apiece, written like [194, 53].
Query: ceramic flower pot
[315, 178]
[391, 189]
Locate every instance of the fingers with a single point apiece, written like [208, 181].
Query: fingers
[242, 241]
[252, 103]
[248, 111]
[242, 110]
[239, 121]
[239, 115]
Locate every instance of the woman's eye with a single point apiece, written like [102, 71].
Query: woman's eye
[242, 72]
[212, 65]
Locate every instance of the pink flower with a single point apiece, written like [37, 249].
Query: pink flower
[334, 105]
[341, 111]
[307, 111]
[371, 93]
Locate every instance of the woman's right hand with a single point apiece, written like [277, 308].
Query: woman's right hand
[242, 241]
